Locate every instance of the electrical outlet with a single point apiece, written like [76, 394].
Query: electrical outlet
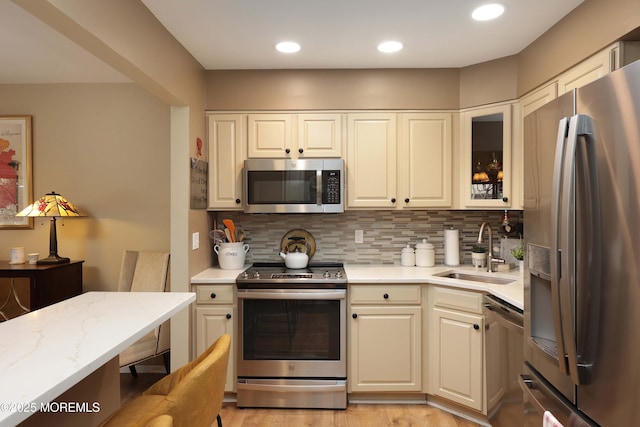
[359, 236]
[195, 241]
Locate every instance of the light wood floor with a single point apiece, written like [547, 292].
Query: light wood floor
[354, 416]
[378, 415]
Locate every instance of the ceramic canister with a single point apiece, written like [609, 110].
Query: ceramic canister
[231, 255]
[425, 254]
[407, 257]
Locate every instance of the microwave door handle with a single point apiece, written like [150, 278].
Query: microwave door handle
[319, 188]
[556, 254]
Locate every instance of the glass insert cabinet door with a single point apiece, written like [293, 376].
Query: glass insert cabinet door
[487, 177]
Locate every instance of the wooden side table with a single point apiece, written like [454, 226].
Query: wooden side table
[48, 283]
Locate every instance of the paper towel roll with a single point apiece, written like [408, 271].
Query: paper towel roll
[451, 247]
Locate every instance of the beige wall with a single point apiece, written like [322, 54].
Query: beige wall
[105, 147]
[332, 89]
[491, 81]
[368, 89]
[589, 28]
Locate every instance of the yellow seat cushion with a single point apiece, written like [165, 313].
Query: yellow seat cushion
[192, 395]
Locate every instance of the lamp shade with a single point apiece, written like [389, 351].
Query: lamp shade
[52, 205]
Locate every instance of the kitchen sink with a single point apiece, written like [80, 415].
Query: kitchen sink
[475, 278]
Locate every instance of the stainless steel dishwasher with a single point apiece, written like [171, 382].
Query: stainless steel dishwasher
[505, 353]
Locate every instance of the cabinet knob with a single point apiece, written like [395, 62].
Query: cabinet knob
[406, 200]
[393, 200]
[300, 150]
[228, 316]
[385, 296]
[505, 199]
[476, 326]
[288, 150]
[238, 201]
[213, 295]
[354, 315]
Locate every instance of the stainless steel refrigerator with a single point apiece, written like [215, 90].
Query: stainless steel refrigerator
[582, 274]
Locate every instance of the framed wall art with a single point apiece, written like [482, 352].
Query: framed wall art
[16, 179]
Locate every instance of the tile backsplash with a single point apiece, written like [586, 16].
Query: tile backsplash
[385, 233]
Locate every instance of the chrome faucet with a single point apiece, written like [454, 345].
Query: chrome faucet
[490, 259]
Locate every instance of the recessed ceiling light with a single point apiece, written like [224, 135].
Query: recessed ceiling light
[487, 12]
[288, 47]
[390, 46]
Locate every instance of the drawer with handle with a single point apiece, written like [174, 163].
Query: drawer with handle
[214, 294]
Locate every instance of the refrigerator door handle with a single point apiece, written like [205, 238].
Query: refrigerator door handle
[582, 295]
[578, 125]
[556, 254]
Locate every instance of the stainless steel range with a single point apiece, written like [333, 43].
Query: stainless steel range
[292, 336]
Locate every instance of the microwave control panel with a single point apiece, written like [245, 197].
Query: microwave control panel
[331, 185]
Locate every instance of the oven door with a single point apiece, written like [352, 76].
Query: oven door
[292, 333]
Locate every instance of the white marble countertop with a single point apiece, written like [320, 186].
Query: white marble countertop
[513, 292]
[48, 351]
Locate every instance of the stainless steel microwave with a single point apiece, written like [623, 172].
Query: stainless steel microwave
[293, 186]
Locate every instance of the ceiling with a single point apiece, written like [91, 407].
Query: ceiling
[241, 34]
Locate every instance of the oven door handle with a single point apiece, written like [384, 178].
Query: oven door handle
[289, 388]
[301, 295]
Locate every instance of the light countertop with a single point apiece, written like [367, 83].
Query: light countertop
[386, 273]
[48, 351]
[511, 292]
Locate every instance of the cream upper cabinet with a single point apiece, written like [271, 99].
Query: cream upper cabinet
[399, 161]
[486, 167]
[385, 344]
[319, 135]
[371, 160]
[539, 97]
[587, 71]
[270, 135]
[294, 135]
[598, 65]
[424, 160]
[227, 152]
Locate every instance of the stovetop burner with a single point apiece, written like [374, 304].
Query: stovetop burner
[277, 275]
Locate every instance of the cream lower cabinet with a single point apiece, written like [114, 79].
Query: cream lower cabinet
[384, 344]
[214, 315]
[456, 337]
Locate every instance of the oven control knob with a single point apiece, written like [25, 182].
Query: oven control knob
[326, 275]
[245, 275]
[256, 275]
[339, 275]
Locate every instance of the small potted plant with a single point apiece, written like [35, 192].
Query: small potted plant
[518, 253]
[478, 256]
